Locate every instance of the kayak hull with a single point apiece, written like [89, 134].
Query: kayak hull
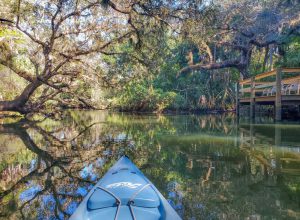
[124, 193]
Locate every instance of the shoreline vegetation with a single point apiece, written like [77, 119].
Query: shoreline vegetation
[4, 114]
[143, 57]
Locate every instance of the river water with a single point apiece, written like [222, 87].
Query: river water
[207, 166]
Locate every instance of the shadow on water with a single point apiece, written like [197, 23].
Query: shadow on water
[209, 167]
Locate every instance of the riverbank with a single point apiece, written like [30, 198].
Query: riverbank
[4, 114]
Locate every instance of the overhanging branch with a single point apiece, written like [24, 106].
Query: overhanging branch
[225, 64]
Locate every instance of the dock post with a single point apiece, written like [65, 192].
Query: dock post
[277, 135]
[237, 100]
[278, 105]
[252, 98]
[252, 135]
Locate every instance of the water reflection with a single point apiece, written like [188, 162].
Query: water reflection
[209, 167]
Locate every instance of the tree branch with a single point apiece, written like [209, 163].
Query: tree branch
[226, 64]
[115, 7]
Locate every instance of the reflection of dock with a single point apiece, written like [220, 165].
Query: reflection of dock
[280, 90]
[280, 135]
[266, 150]
[250, 137]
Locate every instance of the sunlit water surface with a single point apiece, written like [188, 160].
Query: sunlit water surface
[208, 167]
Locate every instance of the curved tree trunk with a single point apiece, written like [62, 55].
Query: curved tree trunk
[18, 104]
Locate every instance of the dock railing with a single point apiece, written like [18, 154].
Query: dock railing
[262, 89]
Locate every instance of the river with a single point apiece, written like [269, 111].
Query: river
[207, 166]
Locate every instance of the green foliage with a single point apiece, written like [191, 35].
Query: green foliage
[11, 44]
[9, 34]
[292, 55]
[163, 89]
[139, 96]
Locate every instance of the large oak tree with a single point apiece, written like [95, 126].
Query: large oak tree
[65, 40]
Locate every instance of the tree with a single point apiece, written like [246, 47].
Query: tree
[66, 40]
[234, 31]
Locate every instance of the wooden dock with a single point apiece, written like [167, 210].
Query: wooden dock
[262, 90]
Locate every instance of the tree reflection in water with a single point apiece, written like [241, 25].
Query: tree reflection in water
[207, 166]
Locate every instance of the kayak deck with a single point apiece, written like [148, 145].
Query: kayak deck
[124, 193]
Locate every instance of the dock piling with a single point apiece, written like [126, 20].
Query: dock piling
[237, 101]
[278, 104]
[252, 98]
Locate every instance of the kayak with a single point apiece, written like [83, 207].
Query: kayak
[124, 193]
